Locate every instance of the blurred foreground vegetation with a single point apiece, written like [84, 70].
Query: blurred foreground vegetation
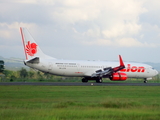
[31, 75]
[80, 102]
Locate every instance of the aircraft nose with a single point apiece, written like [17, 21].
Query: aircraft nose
[156, 72]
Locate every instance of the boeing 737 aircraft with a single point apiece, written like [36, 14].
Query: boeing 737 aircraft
[88, 70]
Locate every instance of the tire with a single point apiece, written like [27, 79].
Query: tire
[145, 81]
[99, 81]
[84, 80]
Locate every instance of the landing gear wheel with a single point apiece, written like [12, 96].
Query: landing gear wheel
[145, 81]
[84, 80]
[99, 81]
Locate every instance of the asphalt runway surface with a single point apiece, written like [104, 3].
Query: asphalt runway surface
[78, 84]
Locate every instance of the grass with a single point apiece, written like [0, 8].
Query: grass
[79, 102]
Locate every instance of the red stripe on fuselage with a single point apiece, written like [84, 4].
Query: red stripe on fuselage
[79, 72]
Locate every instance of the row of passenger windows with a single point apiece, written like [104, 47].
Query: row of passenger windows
[92, 66]
[81, 66]
[66, 66]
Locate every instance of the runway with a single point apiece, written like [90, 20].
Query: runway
[78, 84]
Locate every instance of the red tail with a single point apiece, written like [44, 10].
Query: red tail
[121, 61]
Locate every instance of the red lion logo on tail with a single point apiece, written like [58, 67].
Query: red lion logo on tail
[31, 48]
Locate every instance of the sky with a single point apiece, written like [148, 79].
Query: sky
[83, 29]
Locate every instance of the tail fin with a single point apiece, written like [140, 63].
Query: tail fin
[31, 48]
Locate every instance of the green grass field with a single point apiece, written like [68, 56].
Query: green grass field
[79, 102]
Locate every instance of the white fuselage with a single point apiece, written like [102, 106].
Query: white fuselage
[77, 68]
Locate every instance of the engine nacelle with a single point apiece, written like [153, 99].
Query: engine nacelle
[118, 77]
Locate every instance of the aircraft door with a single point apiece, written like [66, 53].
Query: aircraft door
[78, 67]
[79, 70]
[50, 66]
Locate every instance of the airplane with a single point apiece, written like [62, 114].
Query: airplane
[88, 70]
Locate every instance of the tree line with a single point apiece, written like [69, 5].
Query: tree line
[31, 75]
[1, 66]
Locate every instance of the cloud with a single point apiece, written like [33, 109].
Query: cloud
[82, 25]
[122, 29]
[9, 31]
[43, 2]
[103, 20]
[124, 42]
[131, 42]
[73, 12]
[99, 42]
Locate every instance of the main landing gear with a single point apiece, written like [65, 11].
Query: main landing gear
[84, 80]
[98, 80]
[145, 80]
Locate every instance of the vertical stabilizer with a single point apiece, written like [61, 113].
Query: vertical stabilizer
[121, 61]
[31, 48]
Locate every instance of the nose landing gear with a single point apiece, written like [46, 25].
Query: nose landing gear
[145, 80]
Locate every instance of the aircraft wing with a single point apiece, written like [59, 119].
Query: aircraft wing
[109, 70]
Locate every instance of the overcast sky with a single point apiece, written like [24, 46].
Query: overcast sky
[83, 29]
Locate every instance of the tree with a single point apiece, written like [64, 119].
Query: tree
[1, 66]
[23, 73]
[31, 74]
[40, 77]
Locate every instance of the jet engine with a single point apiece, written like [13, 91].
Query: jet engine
[118, 77]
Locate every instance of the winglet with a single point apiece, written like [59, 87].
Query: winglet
[121, 66]
[121, 61]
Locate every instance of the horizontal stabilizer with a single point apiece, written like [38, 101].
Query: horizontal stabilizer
[34, 60]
